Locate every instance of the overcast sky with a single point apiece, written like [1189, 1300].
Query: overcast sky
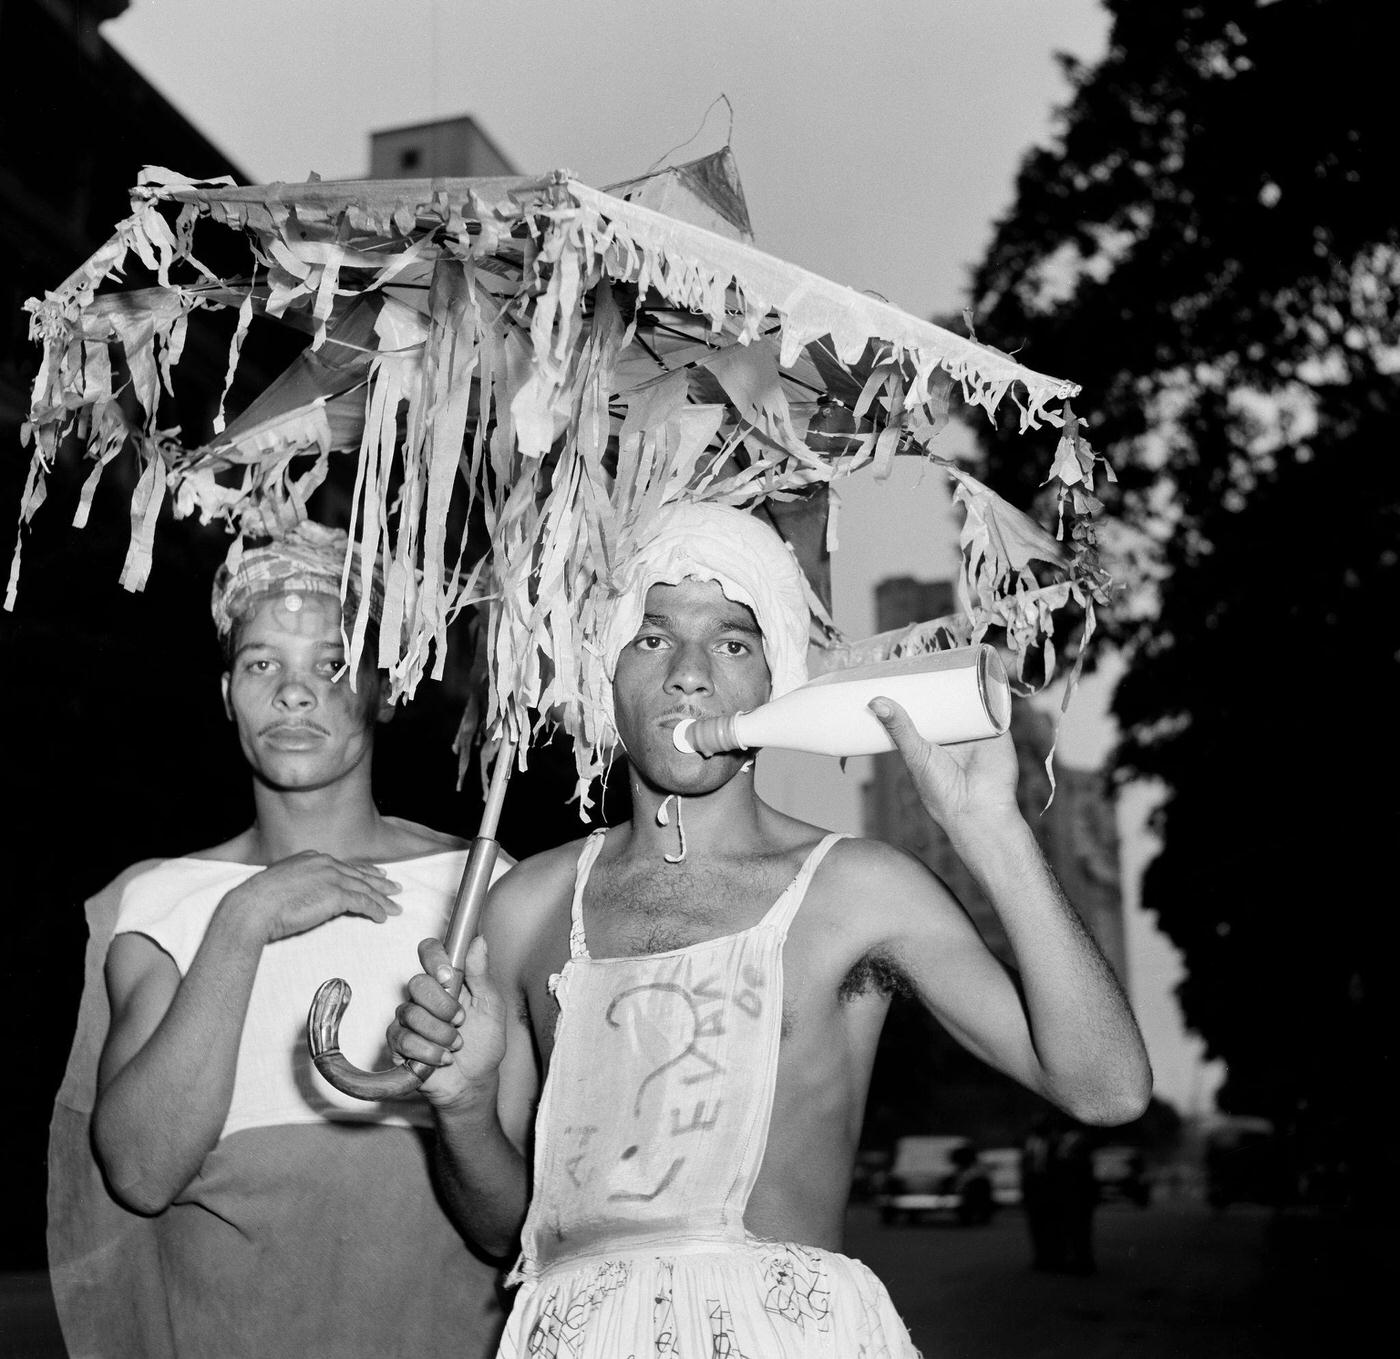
[877, 143]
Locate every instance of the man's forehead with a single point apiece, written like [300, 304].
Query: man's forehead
[308, 617]
[706, 596]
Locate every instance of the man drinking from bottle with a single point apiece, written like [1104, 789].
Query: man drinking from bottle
[654, 1084]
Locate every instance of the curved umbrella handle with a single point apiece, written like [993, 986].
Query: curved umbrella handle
[331, 999]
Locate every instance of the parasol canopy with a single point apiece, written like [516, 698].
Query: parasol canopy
[519, 371]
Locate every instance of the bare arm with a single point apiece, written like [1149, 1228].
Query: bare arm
[484, 1093]
[1066, 1030]
[165, 1078]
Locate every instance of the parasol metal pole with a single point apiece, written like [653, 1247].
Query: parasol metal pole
[331, 999]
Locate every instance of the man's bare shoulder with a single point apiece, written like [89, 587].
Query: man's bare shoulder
[873, 861]
[531, 894]
[888, 883]
[412, 839]
[238, 850]
[546, 873]
[395, 839]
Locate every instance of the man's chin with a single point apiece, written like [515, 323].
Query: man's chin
[691, 775]
[291, 781]
[293, 773]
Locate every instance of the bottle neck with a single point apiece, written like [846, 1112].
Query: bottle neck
[713, 735]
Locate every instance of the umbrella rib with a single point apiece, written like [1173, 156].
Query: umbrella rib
[637, 337]
[693, 363]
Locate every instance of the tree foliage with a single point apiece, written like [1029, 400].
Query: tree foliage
[1210, 247]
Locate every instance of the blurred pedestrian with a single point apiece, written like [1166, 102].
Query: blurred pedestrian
[1059, 1194]
[1077, 1193]
[1038, 1201]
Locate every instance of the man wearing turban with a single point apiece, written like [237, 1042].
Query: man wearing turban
[243, 1205]
[693, 999]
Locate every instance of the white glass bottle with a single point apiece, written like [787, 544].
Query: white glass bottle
[961, 694]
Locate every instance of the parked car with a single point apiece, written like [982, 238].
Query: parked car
[868, 1173]
[1120, 1173]
[936, 1177]
[1003, 1167]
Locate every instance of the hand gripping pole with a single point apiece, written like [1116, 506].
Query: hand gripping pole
[330, 1002]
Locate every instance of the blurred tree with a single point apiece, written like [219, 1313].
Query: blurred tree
[1210, 247]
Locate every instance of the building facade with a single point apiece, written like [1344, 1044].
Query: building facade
[77, 124]
[925, 1082]
[448, 148]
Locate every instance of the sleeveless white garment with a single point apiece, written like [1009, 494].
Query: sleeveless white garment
[649, 1138]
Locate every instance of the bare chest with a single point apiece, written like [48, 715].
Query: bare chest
[630, 910]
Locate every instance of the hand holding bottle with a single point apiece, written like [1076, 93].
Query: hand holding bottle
[965, 786]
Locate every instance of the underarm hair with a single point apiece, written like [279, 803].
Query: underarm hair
[877, 971]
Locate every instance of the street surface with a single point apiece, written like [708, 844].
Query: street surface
[1175, 1281]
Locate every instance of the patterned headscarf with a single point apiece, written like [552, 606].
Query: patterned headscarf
[308, 559]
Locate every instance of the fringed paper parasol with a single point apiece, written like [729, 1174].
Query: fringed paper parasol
[549, 363]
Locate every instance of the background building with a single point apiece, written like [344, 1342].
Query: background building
[77, 123]
[1077, 831]
[447, 147]
[925, 1082]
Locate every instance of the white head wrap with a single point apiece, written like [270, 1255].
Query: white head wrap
[752, 565]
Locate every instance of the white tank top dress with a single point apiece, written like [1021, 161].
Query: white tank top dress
[648, 1141]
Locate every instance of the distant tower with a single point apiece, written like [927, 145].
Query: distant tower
[449, 148]
[1077, 832]
[923, 1080]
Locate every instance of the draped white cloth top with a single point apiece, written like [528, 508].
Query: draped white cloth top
[276, 1081]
